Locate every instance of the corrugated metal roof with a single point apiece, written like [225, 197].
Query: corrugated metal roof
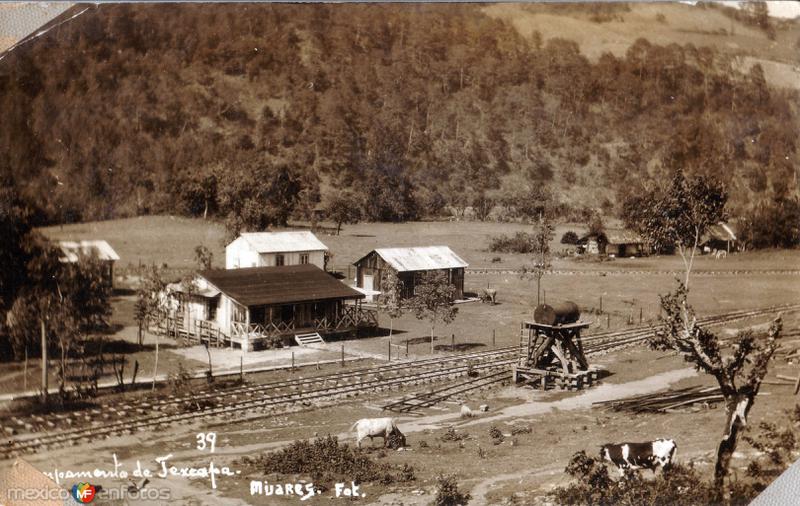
[719, 232]
[257, 286]
[623, 237]
[280, 242]
[423, 258]
[73, 249]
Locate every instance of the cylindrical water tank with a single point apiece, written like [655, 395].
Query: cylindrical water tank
[557, 314]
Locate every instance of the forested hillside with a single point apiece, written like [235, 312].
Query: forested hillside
[140, 109]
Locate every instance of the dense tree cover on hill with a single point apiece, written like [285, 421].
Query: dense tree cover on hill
[204, 109]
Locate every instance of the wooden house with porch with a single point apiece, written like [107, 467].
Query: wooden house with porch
[71, 251]
[408, 264]
[267, 249]
[261, 307]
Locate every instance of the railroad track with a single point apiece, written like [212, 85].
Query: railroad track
[285, 395]
[629, 272]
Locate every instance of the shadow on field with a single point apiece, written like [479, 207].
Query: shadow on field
[458, 346]
[122, 347]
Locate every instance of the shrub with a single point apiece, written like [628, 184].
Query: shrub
[496, 434]
[569, 237]
[677, 485]
[521, 242]
[448, 494]
[325, 459]
[452, 435]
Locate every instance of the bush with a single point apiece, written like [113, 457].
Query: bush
[677, 485]
[324, 459]
[452, 435]
[447, 493]
[521, 242]
[569, 237]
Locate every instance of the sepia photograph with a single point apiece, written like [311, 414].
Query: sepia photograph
[400, 254]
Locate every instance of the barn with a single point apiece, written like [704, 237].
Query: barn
[71, 251]
[409, 264]
[616, 242]
[625, 243]
[274, 249]
[257, 307]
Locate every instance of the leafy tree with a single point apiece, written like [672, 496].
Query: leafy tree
[678, 215]
[482, 204]
[391, 296]
[543, 233]
[774, 225]
[258, 196]
[203, 257]
[595, 224]
[198, 190]
[148, 303]
[433, 300]
[60, 302]
[342, 207]
[739, 374]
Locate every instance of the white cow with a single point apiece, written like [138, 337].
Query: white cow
[377, 427]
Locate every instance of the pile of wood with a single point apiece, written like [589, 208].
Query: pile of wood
[664, 402]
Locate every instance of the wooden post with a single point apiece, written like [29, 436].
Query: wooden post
[25, 371]
[601, 304]
[342, 355]
[44, 361]
[453, 342]
[406, 348]
[390, 351]
[544, 296]
[640, 316]
[241, 368]
[292, 361]
[494, 331]
[608, 322]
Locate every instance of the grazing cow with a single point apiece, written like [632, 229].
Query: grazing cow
[635, 456]
[466, 412]
[378, 427]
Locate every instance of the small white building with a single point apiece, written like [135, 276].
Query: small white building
[274, 249]
[71, 251]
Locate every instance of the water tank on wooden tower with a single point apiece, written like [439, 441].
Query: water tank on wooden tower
[557, 314]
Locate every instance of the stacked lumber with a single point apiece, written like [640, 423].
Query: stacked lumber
[664, 402]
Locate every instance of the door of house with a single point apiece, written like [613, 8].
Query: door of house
[368, 285]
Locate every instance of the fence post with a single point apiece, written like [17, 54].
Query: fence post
[453, 342]
[342, 355]
[494, 331]
[601, 304]
[390, 351]
[640, 315]
[241, 369]
[406, 348]
[608, 322]
[544, 296]
[292, 361]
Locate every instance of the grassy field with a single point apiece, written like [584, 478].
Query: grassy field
[171, 240]
[679, 24]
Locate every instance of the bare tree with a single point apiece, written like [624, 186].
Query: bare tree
[543, 233]
[739, 374]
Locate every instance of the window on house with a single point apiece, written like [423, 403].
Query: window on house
[278, 260]
[303, 258]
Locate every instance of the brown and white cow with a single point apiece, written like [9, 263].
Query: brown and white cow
[634, 456]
